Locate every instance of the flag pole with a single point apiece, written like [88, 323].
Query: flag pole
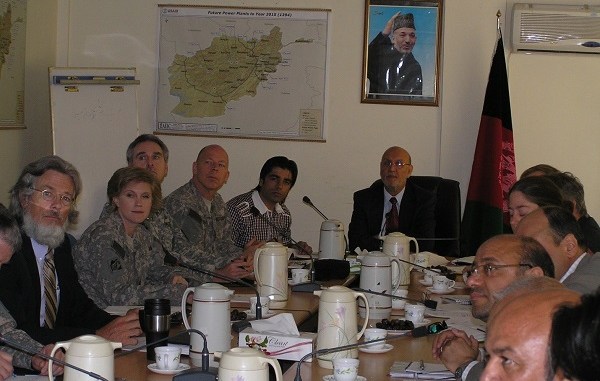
[498, 15]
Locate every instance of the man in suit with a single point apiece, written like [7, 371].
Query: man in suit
[392, 204]
[43, 202]
[559, 233]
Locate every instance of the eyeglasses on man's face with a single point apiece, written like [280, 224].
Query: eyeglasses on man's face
[50, 196]
[397, 164]
[488, 270]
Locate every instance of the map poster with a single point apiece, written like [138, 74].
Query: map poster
[242, 72]
[12, 63]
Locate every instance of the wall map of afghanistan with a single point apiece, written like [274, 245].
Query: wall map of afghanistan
[240, 72]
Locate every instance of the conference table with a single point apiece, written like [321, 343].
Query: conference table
[133, 366]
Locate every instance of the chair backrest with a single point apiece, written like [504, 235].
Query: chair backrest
[447, 212]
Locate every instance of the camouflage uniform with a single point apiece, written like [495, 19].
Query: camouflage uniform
[9, 331]
[209, 232]
[117, 270]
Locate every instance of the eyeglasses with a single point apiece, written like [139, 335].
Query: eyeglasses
[437, 327]
[397, 163]
[48, 195]
[488, 270]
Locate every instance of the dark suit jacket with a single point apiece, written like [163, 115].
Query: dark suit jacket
[20, 292]
[417, 216]
[591, 232]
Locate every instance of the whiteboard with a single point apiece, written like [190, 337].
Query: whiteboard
[94, 118]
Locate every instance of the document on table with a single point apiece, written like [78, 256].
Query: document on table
[421, 371]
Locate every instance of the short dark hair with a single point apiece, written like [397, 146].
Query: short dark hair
[574, 339]
[278, 162]
[562, 223]
[534, 254]
[571, 189]
[32, 171]
[545, 169]
[539, 190]
[126, 175]
[146, 138]
[9, 229]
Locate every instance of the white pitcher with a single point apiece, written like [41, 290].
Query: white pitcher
[90, 352]
[271, 271]
[337, 322]
[398, 245]
[248, 364]
[376, 275]
[210, 315]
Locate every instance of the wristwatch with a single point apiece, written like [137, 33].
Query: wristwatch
[459, 371]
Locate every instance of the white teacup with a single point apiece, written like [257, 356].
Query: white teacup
[167, 358]
[428, 279]
[399, 303]
[345, 369]
[300, 275]
[264, 303]
[374, 334]
[414, 312]
[442, 283]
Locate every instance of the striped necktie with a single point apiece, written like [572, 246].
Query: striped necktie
[50, 289]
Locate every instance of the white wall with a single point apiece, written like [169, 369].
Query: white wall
[441, 139]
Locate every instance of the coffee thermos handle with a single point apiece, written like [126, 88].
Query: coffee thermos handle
[63, 344]
[183, 307]
[256, 272]
[361, 295]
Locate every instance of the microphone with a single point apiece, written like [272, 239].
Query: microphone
[307, 201]
[417, 332]
[202, 374]
[27, 350]
[230, 279]
[303, 287]
[427, 302]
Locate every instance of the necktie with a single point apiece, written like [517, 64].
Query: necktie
[393, 219]
[50, 289]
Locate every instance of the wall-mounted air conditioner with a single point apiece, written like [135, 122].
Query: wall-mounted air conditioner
[556, 28]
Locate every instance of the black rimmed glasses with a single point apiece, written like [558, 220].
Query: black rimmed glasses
[390, 164]
[48, 195]
[488, 270]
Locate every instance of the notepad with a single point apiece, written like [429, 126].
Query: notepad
[412, 370]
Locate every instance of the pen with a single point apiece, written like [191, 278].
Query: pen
[422, 365]
[408, 366]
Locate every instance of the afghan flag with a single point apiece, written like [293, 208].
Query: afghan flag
[493, 172]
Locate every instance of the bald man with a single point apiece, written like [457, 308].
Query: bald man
[374, 206]
[518, 331]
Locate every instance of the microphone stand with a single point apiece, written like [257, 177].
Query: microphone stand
[27, 350]
[302, 287]
[427, 302]
[230, 279]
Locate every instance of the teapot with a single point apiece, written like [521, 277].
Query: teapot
[332, 241]
[271, 272]
[90, 352]
[398, 245]
[337, 322]
[210, 315]
[376, 275]
[248, 364]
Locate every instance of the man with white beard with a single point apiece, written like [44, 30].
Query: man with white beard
[40, 286]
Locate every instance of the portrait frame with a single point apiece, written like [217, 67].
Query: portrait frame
[408, 76]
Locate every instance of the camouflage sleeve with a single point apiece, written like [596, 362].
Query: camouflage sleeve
[8, 330]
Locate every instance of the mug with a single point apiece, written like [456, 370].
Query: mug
[374, 334]
[345, 369]
[300, 275]
[155, 321]
[422, 259]
[414, 312]
[167, 358]
[264, 303]
[442, 283]
[399, 303]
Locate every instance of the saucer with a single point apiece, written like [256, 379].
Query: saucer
[252, 314]
[153, 368]
[424, 283]
[386, 348]
[332, 378]
[441, 292]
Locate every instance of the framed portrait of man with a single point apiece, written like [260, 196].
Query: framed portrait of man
[402, 45]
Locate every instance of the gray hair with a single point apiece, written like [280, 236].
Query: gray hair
[146, 138]
[32, 171]
[527, 284]
[9, 229]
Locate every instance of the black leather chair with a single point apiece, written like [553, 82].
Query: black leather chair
[447, 213]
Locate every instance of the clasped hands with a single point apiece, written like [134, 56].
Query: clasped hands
[454, 347]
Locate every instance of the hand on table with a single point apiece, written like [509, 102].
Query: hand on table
[123, 329]
[41, 364]
[304, 248]
[454, 347]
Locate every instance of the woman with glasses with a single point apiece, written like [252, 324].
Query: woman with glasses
[118, 260]
[529, 194]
